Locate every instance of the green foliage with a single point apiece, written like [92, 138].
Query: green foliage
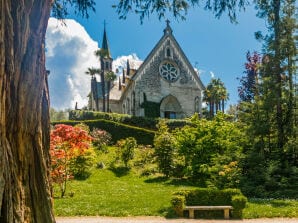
[178, 203]
[81, 165]
[127, 147]
[208, 148]
[179, 9]
[270, 115]
[81, 7]
[151, 109]
[118, 130]
[165, 146]
[142, 122]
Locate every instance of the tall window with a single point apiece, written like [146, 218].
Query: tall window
[197, 104]
[168, 52]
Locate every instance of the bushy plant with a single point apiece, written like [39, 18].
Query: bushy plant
[209, 149]
[127, 147]
[101, 138]
[238, 203]
[67, 143]
[178, 204]
[165, 146]
[81, 165]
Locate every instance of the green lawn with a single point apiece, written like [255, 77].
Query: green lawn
[108, 194]
[119, 192]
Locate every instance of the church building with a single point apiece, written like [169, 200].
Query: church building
[165, 85]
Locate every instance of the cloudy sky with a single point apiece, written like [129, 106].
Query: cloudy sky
[215, 47]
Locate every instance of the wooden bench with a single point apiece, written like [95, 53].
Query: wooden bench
[226, 210]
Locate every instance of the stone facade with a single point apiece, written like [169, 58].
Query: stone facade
[165, 85]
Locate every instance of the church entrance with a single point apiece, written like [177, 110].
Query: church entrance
[170, 108]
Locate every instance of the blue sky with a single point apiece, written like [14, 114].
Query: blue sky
[214, 46]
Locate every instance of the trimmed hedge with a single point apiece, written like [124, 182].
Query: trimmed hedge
[117, 130]
[210, 197]
[142, 122]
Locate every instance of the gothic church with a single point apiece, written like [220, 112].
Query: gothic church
[165, 85]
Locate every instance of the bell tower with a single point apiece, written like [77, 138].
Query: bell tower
[106, 59]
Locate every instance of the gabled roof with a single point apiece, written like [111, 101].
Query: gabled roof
[168, 34]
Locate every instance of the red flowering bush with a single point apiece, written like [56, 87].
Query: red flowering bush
[67, 144]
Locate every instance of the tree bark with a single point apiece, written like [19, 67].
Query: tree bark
[25, 194]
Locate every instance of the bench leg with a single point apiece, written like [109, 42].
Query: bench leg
[226, 213]
[191, 213]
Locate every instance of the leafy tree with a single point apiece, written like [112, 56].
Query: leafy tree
[67, 145]
[165, 146]
[248, 88]
[270, 113]
[208, 147]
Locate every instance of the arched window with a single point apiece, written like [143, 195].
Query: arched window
[128, 106]
[168, 52]
[197, 105]
[133, 103]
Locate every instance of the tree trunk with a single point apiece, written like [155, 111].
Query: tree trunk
[103, 90]
[24, 113]
[108, 96]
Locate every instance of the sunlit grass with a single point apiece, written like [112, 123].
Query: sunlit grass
[119, 191]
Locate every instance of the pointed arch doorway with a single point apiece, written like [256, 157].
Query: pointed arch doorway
[170, 108]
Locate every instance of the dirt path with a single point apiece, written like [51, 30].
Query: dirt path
[164, 220]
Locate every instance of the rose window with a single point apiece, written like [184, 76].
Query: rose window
[169, 71]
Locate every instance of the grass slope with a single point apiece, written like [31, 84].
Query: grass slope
[106, 193]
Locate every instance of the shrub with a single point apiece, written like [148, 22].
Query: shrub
[81, 165]
[127, 147]
[238, 203]
[101, 138]
[178, 204]
[67, 144]
[165, 145]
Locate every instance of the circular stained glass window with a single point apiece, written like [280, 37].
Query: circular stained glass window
[169, 71]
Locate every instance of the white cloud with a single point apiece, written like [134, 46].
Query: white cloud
[69, 53]
[212, 74]
[120, 62]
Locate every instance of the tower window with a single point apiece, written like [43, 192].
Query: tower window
[107, 65]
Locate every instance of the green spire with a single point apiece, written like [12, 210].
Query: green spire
[105, 44]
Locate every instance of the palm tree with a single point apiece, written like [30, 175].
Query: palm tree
[92, 71]
[215, 95]
[101, 53]
[110, 77]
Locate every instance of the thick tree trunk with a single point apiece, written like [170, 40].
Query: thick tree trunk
[24, 113]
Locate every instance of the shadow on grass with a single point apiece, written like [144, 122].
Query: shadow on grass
[120, 171]
[172, 181]
[274, 203]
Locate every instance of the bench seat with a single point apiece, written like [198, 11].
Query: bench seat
[226, 210]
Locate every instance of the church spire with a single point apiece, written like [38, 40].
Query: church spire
[105, 43]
